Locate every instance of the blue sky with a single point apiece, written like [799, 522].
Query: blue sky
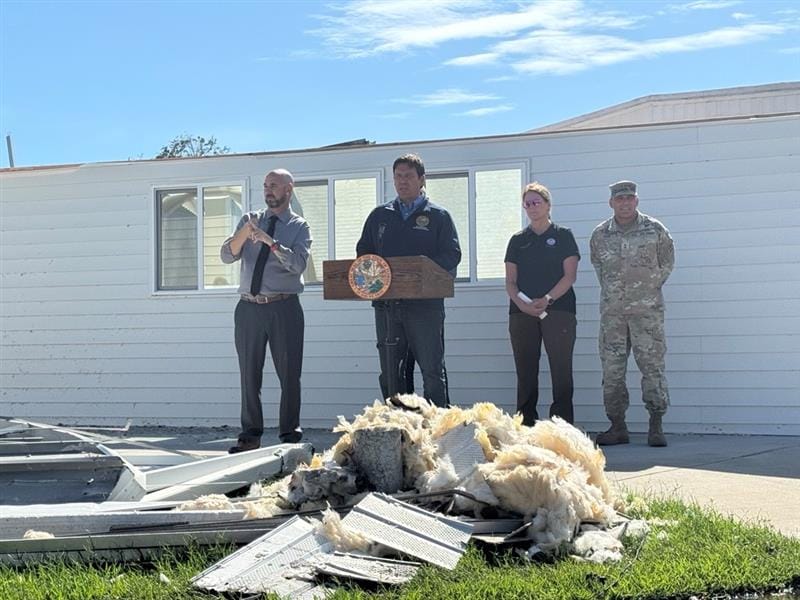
[97, 81]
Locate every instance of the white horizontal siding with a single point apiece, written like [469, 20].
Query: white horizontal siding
[83, 340]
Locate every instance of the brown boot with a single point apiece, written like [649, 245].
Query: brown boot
[655, 435]
[616, 434]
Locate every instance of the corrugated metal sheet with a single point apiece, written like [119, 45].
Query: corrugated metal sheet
[410, 530]
[79, 523]
[460, 447]
[365, 568]
[285, 561]
[266, 564]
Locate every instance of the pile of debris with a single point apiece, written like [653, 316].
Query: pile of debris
[455, 474]
[68, 494]
[407, 483]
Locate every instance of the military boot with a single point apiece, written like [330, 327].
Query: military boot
[655, 435]
[616, 434]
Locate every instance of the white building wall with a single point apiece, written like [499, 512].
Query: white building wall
[85, 341]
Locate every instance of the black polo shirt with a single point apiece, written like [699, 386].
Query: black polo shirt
[540, 263]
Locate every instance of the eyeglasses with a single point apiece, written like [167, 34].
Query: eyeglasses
[529, 203]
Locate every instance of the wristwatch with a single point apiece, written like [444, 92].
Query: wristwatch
[549, 299]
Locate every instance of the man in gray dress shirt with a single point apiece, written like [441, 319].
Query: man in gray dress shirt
[273, 245]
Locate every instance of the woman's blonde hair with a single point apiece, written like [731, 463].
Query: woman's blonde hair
[539, 189]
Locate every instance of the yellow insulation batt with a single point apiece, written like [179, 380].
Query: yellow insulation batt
[342, 538]
[551, 473]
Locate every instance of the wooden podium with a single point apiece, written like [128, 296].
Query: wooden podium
[413, 278]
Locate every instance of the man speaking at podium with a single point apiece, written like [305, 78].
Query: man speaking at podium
[412, 225]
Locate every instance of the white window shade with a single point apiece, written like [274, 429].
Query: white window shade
[451, 192]
[497, 201]
[222, 210]
[354, 200]
[310, 201]
[177, 244]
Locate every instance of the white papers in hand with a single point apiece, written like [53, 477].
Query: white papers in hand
[524, 297]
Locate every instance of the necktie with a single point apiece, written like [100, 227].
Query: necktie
[263, 255]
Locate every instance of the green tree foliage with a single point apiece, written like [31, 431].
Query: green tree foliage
[186, 145]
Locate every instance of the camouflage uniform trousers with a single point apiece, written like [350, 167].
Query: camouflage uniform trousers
[645, 334]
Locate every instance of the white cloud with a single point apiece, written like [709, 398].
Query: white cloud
[502, 78]
[705, 5]
[529, 37]
[485, 58]
[488, 110]
[368, 27]
[561, 53]
[448, 96]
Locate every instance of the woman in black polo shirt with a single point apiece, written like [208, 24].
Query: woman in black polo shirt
[541, 265]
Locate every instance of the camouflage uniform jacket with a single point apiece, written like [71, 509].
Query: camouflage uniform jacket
[632, 265]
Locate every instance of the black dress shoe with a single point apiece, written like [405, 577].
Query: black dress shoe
[291, 438]
[243, 447]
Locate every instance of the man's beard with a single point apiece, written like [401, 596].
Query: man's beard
[276, 201]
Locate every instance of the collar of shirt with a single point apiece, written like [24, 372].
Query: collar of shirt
[407, 211]
[282, 217]
[635, 224]
[531, 233]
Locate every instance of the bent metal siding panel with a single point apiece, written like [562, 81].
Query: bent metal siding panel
[83, 340]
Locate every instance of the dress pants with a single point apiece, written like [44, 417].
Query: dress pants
[419, 326]
[407, 368]
[557, 330]
[281, 326]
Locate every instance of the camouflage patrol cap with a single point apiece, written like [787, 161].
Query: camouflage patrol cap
[623, 188]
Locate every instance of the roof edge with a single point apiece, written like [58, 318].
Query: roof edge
[524, 134]
[744, 89]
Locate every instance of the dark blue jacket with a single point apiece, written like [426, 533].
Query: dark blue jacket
[429, 231]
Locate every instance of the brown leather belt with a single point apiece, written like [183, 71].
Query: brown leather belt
[262, 299]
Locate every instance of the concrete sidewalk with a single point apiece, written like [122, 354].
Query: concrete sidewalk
[755, 478]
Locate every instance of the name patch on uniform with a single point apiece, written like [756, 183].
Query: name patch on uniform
[422, 222]
[550, 241]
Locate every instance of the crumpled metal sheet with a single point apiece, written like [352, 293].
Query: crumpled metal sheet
[268, 563]
[365, 568]
[462, 449]
[410, 530]
[80, 524]
[287, 560]
[41, 463]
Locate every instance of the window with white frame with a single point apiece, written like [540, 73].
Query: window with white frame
[335, 208]
[485, 219]
[191, 223]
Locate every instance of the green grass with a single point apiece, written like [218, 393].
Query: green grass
[702, 554]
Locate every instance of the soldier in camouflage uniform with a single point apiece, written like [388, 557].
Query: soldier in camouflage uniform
[633, 255]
